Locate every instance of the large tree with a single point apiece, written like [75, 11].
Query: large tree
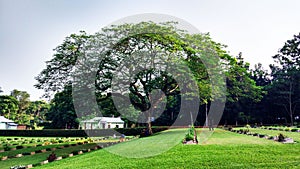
[116, 46]
[286, 77]
[62, 113]
[242, 91]
[132, 52]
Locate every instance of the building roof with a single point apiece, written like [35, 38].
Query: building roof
[104, 119]
[5, 120]
[112, 120]
[12, 124]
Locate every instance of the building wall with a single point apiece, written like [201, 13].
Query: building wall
[12, 127]
[85, 126]
[100, 125]
[113, 125]
[2, 125]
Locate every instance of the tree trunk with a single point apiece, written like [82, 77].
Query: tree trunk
[191, 119]
[206, 115]
[149, 126]
[290, 105]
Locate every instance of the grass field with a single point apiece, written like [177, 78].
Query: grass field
[222, 150]
[294, 135]
[69, 147]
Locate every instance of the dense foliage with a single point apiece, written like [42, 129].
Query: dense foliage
[18, 108]
[252, 96]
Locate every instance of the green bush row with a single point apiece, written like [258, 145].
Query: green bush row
[77, 133]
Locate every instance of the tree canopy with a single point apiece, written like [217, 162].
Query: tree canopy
[152, 68]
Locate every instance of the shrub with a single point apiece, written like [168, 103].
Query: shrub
[65, 156]
[76, 133]
[19, 147]
[6, 147]
[47, 143]
[190, 135]
[26, 153]
[38, 151]
[281, 137]
[294, 130]
[51, 157]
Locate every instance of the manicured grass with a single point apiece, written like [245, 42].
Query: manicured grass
[223, 150]
[31, 149]
[33, 159]
[32, 141]
[294, 135]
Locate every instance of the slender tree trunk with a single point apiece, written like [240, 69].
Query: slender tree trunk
[206, 115]
[149, 126]
[290, 105]
[191, 119]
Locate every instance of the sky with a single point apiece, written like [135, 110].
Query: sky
[31, 29]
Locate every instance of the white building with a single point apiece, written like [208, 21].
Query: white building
[7, 124]
[102, 123]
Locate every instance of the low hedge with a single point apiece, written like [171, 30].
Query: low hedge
[78, 133]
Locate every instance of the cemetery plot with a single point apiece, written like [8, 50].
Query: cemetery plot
[35, 151]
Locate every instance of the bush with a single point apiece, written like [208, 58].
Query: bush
[281, 137]
[6, 147]
[19, 147]
[294, 130]
[190, 135]
[65, 156]
[26, 153]
[76, 133]
[38, 151]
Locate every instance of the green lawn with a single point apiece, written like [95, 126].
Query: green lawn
[294, 135]
[39, 157]
[222, 150]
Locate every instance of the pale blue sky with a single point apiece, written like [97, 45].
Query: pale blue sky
[30, 29]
